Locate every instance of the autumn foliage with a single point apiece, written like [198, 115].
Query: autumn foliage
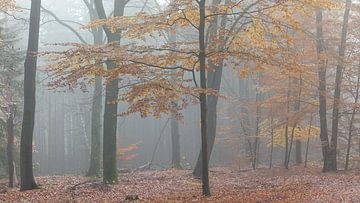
[154, 72]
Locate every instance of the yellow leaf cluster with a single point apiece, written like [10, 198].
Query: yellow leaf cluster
[155, 73]
[301, 132]
[7, 5]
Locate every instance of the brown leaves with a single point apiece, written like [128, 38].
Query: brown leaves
[263, 185]
[7, 4]
[127, 153]
[158, 60]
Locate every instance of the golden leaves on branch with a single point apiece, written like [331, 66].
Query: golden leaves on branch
[301, 132]
[6, 5]
[155, 73]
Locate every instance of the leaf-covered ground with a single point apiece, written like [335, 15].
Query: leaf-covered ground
[263, 185]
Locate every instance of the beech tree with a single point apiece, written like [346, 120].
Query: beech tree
[329, 147]
[149, 87]
[111, 96]
[337, 93]
[26, 161]
[10, 91]
[97, 102]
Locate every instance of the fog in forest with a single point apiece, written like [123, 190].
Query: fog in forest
[62, 133]
[261, 84]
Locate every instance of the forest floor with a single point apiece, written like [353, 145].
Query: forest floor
[298, 184]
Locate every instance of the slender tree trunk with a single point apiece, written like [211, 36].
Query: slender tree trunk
[203, 99]
[175, 142]
[96, 109]
[61, 142]
[255, 153]
[351, 125]
[71, 143]
[256, 143]
[54, 143]
[26, 164]
[337, 94]
[298, 157]
[111, 96]
[287, 125]
[308, 141]
[174, 124]
[10, 146]
[50, 144]
[286, 144]
[296, 109]
[287, 161]
[320, 48]
[213, 82]
[211, 116]
[94, 169]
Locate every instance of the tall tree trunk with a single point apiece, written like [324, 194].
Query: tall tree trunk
[175, 142]
[287, 125]
[320, 49]
[54, 143]
[174, 124]
[213, 82]
[298, 157]
[96, 109]
[111, 96]
[50, 153]
[297, 110]
[94, 169]
[26, 164]
[351, 125]
[110, 129]
[61, 141]
[308, 141]
[203, 99]
[337, 94]
[10, 146]
[257, 132]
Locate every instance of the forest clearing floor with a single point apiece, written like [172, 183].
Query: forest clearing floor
[298, 184]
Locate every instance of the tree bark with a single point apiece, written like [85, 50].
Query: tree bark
[94, 168]
[203, 99]
[297, 142]
[10, 146]
[320, 48]
[337, 94]
[174, 124]
[175, 142]
[26, 164]
[213, 82]
[255, 153]
[111, 96]
[97, 107]
[286, 134]
[307, 144]
[351, 125]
